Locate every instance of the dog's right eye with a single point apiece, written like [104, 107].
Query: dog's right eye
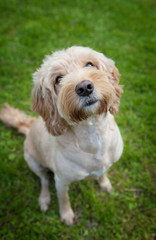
[58, 79]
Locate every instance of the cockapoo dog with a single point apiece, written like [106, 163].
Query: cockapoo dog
[76, 92]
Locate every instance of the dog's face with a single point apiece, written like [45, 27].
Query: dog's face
[74, 84]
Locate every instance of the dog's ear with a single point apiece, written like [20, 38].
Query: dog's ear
[118, 90]
[113, 74]
[44, 103]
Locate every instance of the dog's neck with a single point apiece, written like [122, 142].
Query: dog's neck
[94, 121]
[89, 134]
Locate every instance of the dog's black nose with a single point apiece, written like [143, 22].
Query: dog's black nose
[84, 88]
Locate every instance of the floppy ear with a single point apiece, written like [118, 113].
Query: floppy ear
[118, 90]
[43, 103]
[113, 75]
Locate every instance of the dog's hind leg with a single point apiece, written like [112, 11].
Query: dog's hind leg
[41, 172]
[105, 183]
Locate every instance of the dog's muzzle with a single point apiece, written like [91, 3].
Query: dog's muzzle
[85, 90]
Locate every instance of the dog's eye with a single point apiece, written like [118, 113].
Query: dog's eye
[58, 79]
[89, 64]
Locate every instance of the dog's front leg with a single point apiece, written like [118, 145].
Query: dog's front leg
[66, 212]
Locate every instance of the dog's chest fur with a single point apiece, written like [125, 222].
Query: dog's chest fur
[90, 139]
[85, 150]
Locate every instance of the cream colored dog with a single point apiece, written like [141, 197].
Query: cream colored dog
[76, 92]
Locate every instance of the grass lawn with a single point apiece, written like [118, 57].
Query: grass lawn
[125, 31]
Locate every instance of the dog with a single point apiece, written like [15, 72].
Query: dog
[76, 93]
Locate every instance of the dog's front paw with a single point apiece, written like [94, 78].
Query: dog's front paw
[44, 207]
[44, 202]
[68, 217]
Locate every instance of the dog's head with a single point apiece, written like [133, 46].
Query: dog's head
[74, 84]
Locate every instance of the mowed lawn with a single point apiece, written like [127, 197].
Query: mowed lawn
[124, 31]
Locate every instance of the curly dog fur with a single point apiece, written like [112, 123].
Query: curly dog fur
[76, 92]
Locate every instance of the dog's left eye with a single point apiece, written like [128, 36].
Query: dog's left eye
[58, 79]
[89, 64]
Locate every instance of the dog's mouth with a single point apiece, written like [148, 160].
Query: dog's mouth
[88, 101]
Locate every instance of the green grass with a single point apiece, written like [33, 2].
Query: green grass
[125, 31]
